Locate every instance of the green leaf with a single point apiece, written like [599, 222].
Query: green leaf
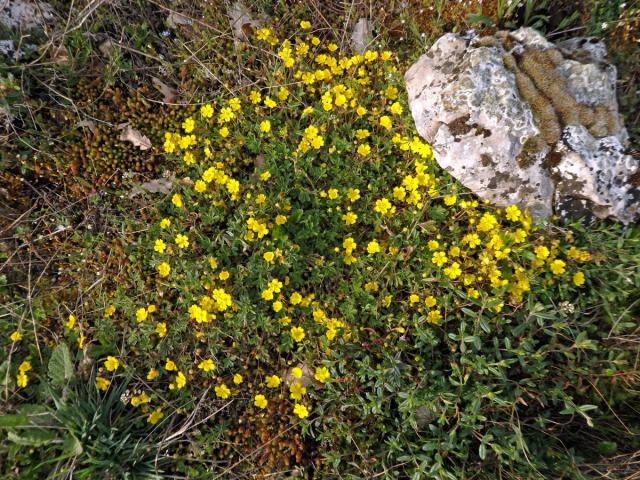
[72, 445]
[60, 365]
[13, 420]
[32, 438]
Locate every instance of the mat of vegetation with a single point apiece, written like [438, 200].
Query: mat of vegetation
[275, 279]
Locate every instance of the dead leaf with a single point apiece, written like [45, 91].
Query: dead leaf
[157, 185]
[174, 19]
[132, 135]
[362, 35]
[59, 56]
[90, 124]
[106, 47]
[169, 93]
[242, 21]
[305, 380]
[186, 181]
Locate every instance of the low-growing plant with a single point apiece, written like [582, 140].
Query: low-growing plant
[317, 296]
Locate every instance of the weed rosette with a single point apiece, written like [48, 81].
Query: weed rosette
[330, 295]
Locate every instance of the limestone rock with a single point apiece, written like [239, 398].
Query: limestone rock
[519, 120]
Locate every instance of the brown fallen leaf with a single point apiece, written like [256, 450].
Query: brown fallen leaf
[174, 19]
[169, 93]
[90, 124]
[130, 134]
[158, 185]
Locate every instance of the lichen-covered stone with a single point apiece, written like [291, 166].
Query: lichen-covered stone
[519, 120]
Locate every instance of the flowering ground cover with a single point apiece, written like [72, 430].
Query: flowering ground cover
[314, 297]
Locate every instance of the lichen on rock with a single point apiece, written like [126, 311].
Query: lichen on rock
[545, 115]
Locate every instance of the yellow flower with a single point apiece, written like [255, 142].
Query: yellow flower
[265, 126]
[268, 256]
[296, 391]
[350, 218]
[434, 316]
[512, 213]
[260, 401]
[141, 314]
[111, 363]
[413, 298]
[165, 223]
[385, 122]
[364, 149]
[152, 374]
[224, 275]
[109, 311]
[439, 258]
[297, 333]
[102, 383]
[15, 336]
[383, 206]
[322, 374]
[255, 97]
[430, 301]
[206, 111]
[295, 298]
[140, 399]
[206, 365]
[267, 294]
[22, 380]
[487, 223]
[283, 93]
[265, 176]
[472, 239]
[453, 271]
[25, 366]
[277, 306]
[155, 416]
[200, 186]
[224, 132]
[188, 125]
[222, 391]
[281, 219]
[188, 158]
[182, 241]
[235, 104]
[161, 329]
[450, 200]
[541, 252]
[269, 102]
[170, 366]
[520, 236]
[349, 244]
[237, 379]
[159, 246]
[71, 321]
[578, 279]
[373, 247]
[176, 200]
[273, 381]
[399, 193]
[300, 410]
[333, 193]
[296, 372]
[180, 380]
[353, 194]
[396, 108]
[557, 267]
[164, 269]
[305, 24]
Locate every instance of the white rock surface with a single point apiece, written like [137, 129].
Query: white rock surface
[467, 100]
